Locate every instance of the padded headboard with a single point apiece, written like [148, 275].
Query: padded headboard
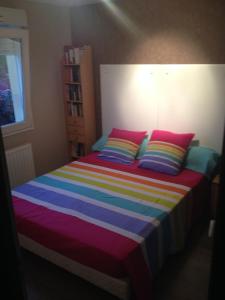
[181, 98]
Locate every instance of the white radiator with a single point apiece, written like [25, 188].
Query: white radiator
[20, 164]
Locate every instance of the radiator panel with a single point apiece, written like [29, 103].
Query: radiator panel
[20, 164]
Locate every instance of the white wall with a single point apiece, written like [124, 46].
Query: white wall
[180, 98]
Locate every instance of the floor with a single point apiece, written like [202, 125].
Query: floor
[184, 276]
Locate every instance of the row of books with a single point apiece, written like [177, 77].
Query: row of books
[72, 55]
[72, 74]
[75, 109]
[74, 92]
[78, 149]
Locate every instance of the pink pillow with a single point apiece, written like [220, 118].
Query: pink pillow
[180, 139]
[133, 136]
[122, 145]
[166, 151]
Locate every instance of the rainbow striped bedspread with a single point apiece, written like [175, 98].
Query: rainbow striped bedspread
[117, 222]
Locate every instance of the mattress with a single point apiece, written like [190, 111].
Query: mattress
[120, 220]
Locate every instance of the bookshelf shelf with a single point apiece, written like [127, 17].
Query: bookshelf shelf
[77, 74]
[71, 82]
[71, 65]
[72, 101]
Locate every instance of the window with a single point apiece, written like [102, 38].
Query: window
[15, 111]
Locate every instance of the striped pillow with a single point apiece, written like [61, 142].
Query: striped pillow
[166, 151]
[122, 145]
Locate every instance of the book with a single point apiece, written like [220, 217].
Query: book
[71, 56]
[79, 93]
[76, 74]
[66, 58]
[76, 52]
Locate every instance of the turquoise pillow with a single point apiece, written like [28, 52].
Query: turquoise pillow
[202, 159]
[100, 143]
[142, 148]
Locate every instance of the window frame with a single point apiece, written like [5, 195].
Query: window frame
[27, 123]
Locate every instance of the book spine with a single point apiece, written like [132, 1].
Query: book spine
[74, 95]
[71, 56]
[79, 93]
[77, 55]
[66, 58]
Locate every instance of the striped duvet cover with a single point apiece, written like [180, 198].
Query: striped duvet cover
[117, 222]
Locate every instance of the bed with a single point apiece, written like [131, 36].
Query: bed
[109, 223]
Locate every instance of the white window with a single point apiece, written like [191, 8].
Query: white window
[15, 110]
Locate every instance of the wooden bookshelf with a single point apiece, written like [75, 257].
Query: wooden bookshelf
[79, 100]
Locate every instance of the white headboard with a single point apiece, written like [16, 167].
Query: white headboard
[180, 98]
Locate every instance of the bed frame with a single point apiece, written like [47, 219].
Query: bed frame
[118, 287]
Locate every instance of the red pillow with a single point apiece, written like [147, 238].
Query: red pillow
[166, 151]
[122, 145]
[181, 139]
[133, 136]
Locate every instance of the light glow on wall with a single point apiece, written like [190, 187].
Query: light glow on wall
[180, 98]
[122, 17]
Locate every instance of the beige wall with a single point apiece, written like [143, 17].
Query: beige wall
[157, 31]
[148, 32]
[49, 30]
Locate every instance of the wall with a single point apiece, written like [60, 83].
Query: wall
[179, 98]
[49, 29]
[149, 32]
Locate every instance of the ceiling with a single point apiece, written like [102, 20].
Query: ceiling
[67, 2]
